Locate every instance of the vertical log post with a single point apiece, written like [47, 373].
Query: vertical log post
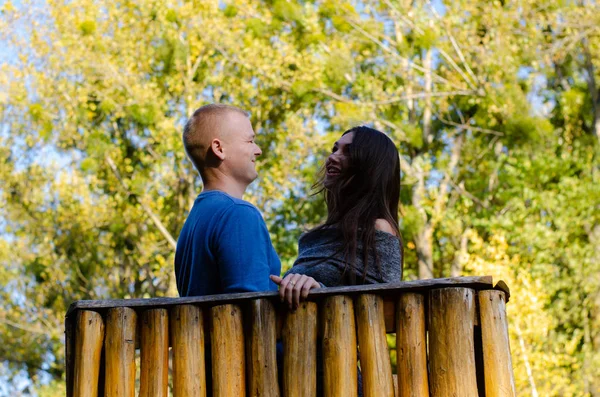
[187, 341]
[119, 352]
[497, 363]
[227, 349]
[154, 352]
[70, 331]
[411, 346]
[374, 355]
[300, 351]
[261, 353]
[339, 347]
[451, 343]
[88, 347]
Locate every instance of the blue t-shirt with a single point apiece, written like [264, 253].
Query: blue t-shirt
[224, 247]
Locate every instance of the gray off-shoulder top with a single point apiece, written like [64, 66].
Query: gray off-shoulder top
[321, 257]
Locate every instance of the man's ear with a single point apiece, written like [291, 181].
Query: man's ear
[217, 147]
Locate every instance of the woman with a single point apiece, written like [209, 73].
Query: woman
[360, 242]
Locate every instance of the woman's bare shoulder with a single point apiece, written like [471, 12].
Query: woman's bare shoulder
[384, 226]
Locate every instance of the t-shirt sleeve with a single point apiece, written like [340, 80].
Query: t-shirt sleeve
[244, 249]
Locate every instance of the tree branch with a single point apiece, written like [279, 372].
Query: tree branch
[470, 127]
[398, 56]
[26, 328]
[159, 225]
[455, 66]
[465, 193]
[408, 97]
[456, 46]
[443, 189]
[534, 392]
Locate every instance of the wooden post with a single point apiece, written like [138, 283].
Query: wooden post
[411, 346]
[88, 347]
[70, 331]
[154, 352]
[119, 352]
[497, 363]
[300, 351]
[374, 355]
[187, 336]
[451, 344]
[339, 347]
[227, 349]
[261, 349]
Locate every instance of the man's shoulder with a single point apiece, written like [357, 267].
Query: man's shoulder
[226, 205]
[222, 199]
[243, 209]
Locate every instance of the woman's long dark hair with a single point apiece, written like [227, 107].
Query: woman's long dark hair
[367, 190]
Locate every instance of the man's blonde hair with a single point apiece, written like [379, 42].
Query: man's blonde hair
[201, 128]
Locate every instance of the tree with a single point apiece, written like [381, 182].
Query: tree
[491, 105]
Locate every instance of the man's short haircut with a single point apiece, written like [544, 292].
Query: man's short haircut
[201, 128]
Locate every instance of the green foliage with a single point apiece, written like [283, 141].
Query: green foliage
[287, 10]
[230, 11]
[414, 135]
[257, 27]
[425, 39]
[87, 27]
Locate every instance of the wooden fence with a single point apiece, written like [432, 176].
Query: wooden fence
[451, 340]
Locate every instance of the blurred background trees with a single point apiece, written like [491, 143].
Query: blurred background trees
[494, 106]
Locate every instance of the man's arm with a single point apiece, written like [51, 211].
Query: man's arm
[243, 251]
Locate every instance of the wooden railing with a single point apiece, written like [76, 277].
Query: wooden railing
[451, 340]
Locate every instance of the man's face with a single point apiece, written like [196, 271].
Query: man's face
[240, 149]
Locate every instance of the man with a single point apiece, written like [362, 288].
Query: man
[224, 245]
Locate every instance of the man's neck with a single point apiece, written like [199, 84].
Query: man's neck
[226, 185]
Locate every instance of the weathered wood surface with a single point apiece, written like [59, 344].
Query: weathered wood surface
[476, 283]
[187, 338]
[154, 353]
[119, 352]
[88, 348]
[498, 370]
[411, 346]
[227, 349]
[261, 353]
[501, 286]
[299, 336]
[339, 347]
[451, 343]
[374, 355]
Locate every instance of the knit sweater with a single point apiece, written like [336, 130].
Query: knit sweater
[321, 256]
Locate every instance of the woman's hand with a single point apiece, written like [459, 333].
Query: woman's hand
[294, 286]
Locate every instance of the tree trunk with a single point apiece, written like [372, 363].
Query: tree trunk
[593, 89]
[597, 119]
[427, 64]
[424, 238]
[460, 256]
[424, 244]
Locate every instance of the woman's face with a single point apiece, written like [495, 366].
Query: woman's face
[339, 159]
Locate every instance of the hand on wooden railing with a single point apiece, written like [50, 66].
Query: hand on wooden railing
[294, 287]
